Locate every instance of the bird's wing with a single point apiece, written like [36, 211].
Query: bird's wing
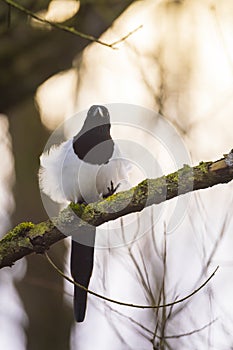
[53, 165]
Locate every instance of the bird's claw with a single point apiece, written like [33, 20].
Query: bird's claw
[111, 190]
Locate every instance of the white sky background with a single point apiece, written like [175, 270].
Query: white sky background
[188, 51]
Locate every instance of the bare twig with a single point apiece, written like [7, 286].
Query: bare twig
[114, 43]
[176, 336]
[138, 306]
[70, 30]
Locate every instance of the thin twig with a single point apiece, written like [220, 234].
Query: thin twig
[126, 36]
[130, 319]
[176, 336]
[162, 296]
[141, 278]
[71, 30]
[127, 304]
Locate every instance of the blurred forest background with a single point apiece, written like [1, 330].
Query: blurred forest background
[180, 64]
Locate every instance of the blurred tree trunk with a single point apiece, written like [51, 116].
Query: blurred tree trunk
[41, 290]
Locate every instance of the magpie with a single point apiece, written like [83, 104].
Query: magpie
[82, 170]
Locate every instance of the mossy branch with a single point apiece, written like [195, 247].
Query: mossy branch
[27, 238]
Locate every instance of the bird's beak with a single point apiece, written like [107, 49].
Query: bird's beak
[99, 111]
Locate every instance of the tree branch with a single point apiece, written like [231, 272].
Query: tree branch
[137, 306]
[70, 30]
[27, 238]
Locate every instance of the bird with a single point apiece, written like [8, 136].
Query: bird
[83, 169]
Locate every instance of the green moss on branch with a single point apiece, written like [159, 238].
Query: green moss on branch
[27, 237]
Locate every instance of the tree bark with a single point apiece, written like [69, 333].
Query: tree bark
[27, 238]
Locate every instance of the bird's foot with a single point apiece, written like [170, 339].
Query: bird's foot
[111, 190]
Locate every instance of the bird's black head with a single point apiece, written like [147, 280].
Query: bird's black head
[94, 143]
[97, 117]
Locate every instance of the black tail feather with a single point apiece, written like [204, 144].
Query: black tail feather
[82, 257]
[80, 303]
